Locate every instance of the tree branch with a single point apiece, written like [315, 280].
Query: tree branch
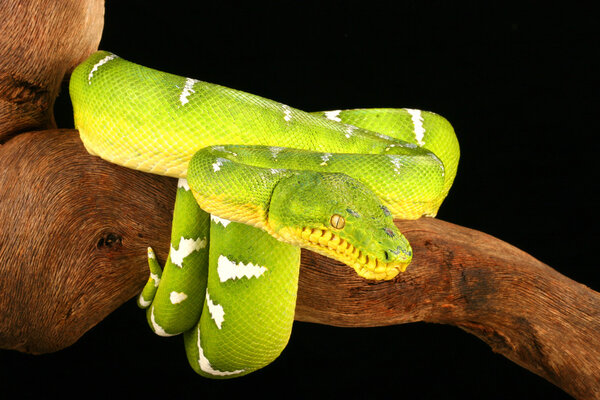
[39, 43]
[74, 230]
[522, 308]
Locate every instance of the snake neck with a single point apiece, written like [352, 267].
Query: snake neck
[329, 213]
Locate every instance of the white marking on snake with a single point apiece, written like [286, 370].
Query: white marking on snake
[151, 254]
[275, 170]
[155, 278]
[216, 311]
[222, 148]
[397, 163]
[405, 145]
[436, 159]
[275, 150]
[186, 247]
[287, 113]
[333, 115]
[325, 157]
[219, 220]
[350, 130]
[183, 183]
[205, 364]
[217, 164]
[439, 163]
[99, 64]
[228, 269]
[143, 301]
[417, 120]
[177, 297]
[187, 91]
[157, 328]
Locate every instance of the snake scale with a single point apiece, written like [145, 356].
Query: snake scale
[258, 180]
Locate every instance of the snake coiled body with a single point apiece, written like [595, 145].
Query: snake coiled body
[273, 178]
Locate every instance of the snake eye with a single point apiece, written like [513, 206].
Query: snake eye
[337, 221]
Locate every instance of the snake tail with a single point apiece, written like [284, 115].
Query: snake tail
[177, 302]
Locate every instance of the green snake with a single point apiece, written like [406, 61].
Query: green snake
[258, 180]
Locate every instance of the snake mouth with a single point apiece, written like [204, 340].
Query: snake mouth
[329, 244]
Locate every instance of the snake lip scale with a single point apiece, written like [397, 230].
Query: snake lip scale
[367, 266]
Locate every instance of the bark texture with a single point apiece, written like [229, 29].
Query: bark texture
[40, 42]
[75, 229]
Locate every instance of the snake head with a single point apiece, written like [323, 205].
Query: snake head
[339, 217]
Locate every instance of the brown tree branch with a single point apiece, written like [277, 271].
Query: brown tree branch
[41, 41]
[525, 310]
[74, 231]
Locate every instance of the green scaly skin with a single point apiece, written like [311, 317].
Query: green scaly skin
[174, 305]
[237, 317]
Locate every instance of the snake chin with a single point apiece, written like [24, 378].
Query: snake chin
[329, 244]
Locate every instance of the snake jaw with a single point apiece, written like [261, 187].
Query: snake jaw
[330, 244]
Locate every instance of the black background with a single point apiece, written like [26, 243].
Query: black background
[519, 85]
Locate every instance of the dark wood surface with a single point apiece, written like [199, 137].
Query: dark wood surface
[41, 41]
[73, 233]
